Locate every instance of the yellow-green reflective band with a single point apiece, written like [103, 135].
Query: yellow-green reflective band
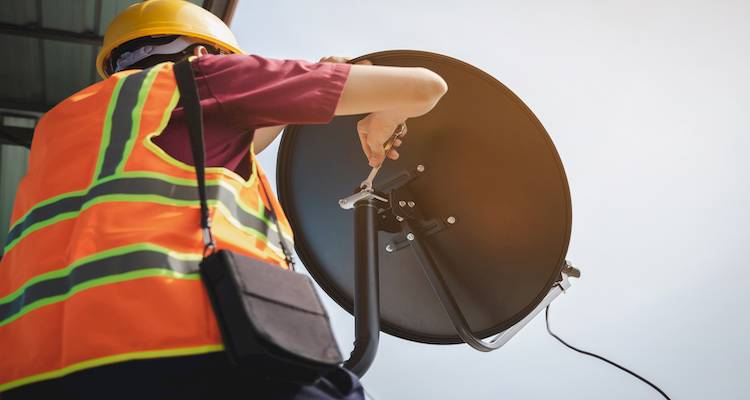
[139, 189]
[122, 122]
[135, 114]
[107, 126]
[117, 265]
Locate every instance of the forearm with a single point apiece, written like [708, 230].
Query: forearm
[406, 91]
[396, 92]
[264, 136]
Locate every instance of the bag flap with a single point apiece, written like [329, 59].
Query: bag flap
[306, 335]
[275, 284]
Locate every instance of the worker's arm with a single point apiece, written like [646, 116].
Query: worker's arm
[410, 91]
[390, 95]
[263, 137]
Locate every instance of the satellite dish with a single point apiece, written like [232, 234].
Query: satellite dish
[469, 228]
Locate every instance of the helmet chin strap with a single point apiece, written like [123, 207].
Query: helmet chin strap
[131, 57]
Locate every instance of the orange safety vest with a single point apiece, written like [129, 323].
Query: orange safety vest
[100, 264]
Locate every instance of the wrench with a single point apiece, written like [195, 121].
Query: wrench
[367, 183]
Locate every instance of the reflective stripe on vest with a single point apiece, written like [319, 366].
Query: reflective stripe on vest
[123, 120]
[112, 266]
[95, 258]
[141, 189]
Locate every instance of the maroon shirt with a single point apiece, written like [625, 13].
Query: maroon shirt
[241, 93]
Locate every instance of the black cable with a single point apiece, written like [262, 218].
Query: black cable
[546, 319]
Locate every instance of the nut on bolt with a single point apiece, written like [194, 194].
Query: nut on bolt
[389, 248]
[411, 204]
[399, 218]
[402, 203]
[410, 236]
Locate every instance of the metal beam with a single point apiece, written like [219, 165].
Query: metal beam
[23, 106]
[16, 136]
[36, 31]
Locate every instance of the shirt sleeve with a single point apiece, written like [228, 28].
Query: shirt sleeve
[255, 92]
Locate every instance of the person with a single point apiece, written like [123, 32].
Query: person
[98, 295]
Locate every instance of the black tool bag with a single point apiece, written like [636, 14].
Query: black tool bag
[271, 319]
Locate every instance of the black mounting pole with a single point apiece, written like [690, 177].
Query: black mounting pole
[366, 287]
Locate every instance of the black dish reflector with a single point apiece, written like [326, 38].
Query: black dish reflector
[487, 165]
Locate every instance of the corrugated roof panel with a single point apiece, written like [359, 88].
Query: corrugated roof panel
[17, 12]
[19, 74]
[68, 68]
[66, 59]
[70, 15]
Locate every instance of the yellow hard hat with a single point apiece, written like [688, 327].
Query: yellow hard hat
[165, 17]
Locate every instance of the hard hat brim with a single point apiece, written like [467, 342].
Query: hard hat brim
[106, 51]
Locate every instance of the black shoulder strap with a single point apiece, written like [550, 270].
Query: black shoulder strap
[190, 101]
[191, 105]
[288, 258]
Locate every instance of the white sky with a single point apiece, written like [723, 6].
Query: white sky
[647, 103]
